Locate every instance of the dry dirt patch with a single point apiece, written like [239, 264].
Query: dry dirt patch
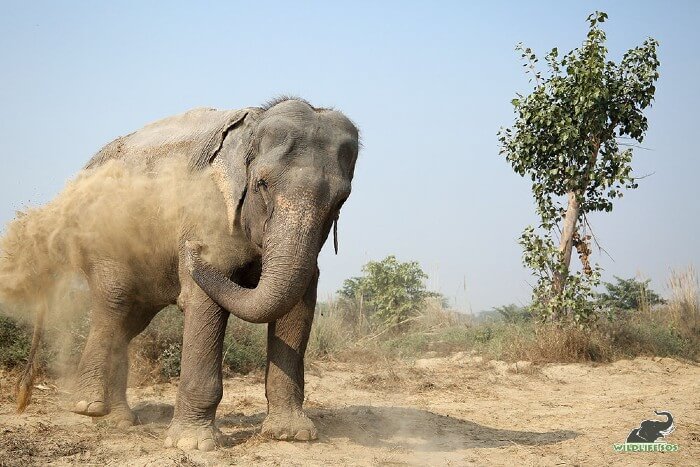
[441, 411]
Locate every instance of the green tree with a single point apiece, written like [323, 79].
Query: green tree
[628, 294]
[390, 291]
[572, 137]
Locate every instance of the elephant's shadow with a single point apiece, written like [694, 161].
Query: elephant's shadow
[421, 430]
[390, 427]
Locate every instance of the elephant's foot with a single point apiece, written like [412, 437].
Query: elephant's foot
[91, 408]
[90, 398]
[290, 426]
[119, 416]
[191, 437]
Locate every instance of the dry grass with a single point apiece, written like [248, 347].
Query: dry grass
[684, 305]
[550, 343]
[669, 330]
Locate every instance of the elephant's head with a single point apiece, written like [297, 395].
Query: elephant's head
[290, 166]
[651, 430]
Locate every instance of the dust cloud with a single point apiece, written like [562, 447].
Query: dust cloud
[124, 211]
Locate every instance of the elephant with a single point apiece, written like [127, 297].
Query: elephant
[282, 172]
[651, 430]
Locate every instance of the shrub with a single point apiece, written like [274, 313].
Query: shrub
[392, 291]
[245, 347]
[169, 360]
[628, 295]
[160, 344]
[15, 341]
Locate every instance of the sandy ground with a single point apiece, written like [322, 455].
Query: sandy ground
[456, 410]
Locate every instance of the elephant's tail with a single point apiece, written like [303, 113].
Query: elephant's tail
[28, 273]
[25, 385]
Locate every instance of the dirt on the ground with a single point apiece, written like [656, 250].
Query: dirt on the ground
[457, 410]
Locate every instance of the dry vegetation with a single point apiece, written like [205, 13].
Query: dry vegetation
[340, 333]
[668, 330]
[440, 389]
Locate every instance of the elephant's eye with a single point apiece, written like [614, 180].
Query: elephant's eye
[261, 187]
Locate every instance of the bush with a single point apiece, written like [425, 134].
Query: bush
[391, 291]
[245, 347]
[15, 341]
[160, 345]
[169, 360]
[628, 295]
[635, 337]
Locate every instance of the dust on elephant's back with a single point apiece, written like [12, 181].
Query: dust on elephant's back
[119, 210]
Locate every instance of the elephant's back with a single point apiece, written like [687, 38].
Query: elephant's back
[188, 135]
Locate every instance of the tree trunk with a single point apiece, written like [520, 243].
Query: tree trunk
[570, 220]
[567, 241]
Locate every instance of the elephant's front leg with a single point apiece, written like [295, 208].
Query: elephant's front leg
[201, 388]
[284, 379]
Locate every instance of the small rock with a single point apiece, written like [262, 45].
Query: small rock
[523, 366]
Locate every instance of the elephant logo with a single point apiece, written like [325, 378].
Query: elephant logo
[650, 431]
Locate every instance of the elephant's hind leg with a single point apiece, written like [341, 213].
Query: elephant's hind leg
[120, 414]
[111, 309]
[284, 379]
[90, 395]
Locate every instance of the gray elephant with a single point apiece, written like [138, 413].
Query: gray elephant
[651, 430]
[281, 173]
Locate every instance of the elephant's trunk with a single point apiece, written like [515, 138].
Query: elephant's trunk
[667, 428]
[291, 245]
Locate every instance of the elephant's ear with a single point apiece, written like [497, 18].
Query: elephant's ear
[229, 162]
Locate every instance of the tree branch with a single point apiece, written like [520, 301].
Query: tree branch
[642, 177]
[595, 239]
[636, 146]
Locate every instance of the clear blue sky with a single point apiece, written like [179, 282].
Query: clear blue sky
[429, 84]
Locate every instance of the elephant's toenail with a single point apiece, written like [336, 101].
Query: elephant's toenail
[81, 406]
[96, 408]
[187, 444]
[168, 442]
[283, 436]
[207, 445]
[303, 435]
